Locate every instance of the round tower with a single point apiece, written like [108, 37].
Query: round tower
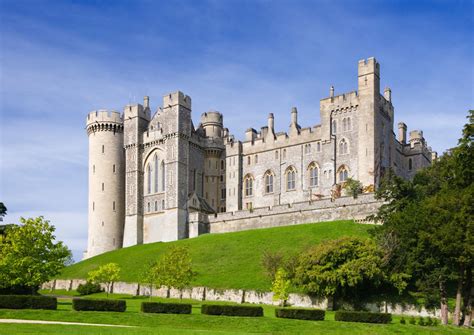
[212, 124]
[106, 182]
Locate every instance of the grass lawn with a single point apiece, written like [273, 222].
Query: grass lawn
[222, 261]
[195, 323]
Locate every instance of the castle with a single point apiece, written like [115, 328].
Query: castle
[152, 174]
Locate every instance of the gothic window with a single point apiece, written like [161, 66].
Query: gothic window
[148, 178]
[290, 179]
[343, 174]
[248, 183]
[343, 147]
[307, 148]
[334, 127]
[163, 175]
[268, 182]
[155, 177]
[313, 175]
[410, 164]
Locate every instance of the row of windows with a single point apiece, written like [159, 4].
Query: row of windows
[113, 206]
[307, 150]
[93, 168]
[290, 177]
[346, 125]
[148, 206]
[217, 164]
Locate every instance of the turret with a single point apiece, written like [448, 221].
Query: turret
[106, 182]
[416, 137]
[402, 133]
[294, 126]
[331, 92]
[387, 93]
[212, 123]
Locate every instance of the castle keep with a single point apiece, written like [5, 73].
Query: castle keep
[156, 177]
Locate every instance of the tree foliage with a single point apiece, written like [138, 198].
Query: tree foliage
[281, 286]
[106, 274]
[3, 210]
[353, 187]
[150, 276]
[29, 255]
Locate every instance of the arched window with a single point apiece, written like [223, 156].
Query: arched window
[163, 175]
[148, 178]
[290, 178]
[410, 164]
[268, 182]
[334, 127]
[248, 184]
[155, 177]
[343, 174]
[313, 175]
[343, 148]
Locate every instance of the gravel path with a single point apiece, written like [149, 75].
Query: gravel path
[60, 323]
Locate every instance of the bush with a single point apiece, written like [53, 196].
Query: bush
[232, 310]
[19, 290]
[412, 320]
[300, 313]
[421, 321]
[402, 321]
[28, 302]
[166, 308]
[106, 305]
[436, 322]
[429, 321]
[363, 317]
[89, 288]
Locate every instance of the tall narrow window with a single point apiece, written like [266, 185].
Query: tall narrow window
[343, 174]
[284, 153]
[343, 147]
[156, 206]
[103, 148]
[276, 154]
[113, 168]
[163, 175]
[313, 175]
[156, 177]
[348, 123]
[318, 147]
[248, 186]
[256, 159]
[148, 207]
[268, 182]
[148, 178]
[290, 179]
[344, 124]
[248, 160]
[410, 164]
[113, 205]
[103, 186]
[93, 168]
[162, 204]
[334, 127]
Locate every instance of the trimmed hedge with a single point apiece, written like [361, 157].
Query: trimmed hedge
[232, 310]
[367, 317]
[166, 308]
[105, 305]
[300, 313]
[28, 302]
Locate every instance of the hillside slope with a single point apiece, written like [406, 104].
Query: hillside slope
[230, 260]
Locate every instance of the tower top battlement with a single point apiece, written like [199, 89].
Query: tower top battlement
[368, 66]
[103, 115]
[177, 98]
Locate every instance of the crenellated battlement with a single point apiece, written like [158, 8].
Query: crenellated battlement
[177, 98]
[368, 66]
[104, 120]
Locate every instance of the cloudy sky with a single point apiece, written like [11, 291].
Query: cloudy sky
[61, 59]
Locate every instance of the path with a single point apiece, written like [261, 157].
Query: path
[60, 323]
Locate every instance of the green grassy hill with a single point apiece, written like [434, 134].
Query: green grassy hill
[230, 260]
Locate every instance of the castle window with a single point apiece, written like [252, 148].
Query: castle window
[156, 206]
[343, 174]
[284, 153]
[223, 193]
[148, 207]
[410, 164]
[256, 159]
[102, 223]
[155, 177]
[163, 175]
[343, 148]
[103, 148]
[248, 182]
[313, 175]
[276, 154]
[113, 168]
[268, 182]
[307, 149]
[148, 178]
[318, 146]
[290, 179]
[103, 186]
[334, 127]
[222, 164]
[162, 204]
[93, 168]
[248, 205]
[348, 123]
[222, 178]
[344, 124]
[93, 206]
[248, 160]
[113, 205]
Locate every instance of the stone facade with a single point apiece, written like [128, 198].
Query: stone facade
[156, 177]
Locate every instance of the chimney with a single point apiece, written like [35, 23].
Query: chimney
[294, 116]
[387, 93]
[402, 133]
[331, 92]
[271, 122]
[146, 101]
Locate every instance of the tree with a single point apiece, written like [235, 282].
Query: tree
[29, 255]
[150, 276]
[353, 187]
[343, 269]
[281, 286]
[106, 274]
[431, 222]
[271, 262]
[174, 269]
[3, 210]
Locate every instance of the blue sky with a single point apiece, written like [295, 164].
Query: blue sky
[61, 59]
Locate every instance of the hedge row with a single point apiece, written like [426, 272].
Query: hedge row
[28, 302]
[300, 313]
[363, 317]
[232, 310]
[166, 308]
[105, 305]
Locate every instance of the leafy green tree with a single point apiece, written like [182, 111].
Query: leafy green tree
[174, 269]
[150, 276]
[29, 255]
[281, 286]
[3, 210]
[353, 187]
[343, 269]
[106, 274]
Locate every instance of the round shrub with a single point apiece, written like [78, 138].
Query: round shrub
[421, 321]
[402, 321]
[89, 288]
[412, 321]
